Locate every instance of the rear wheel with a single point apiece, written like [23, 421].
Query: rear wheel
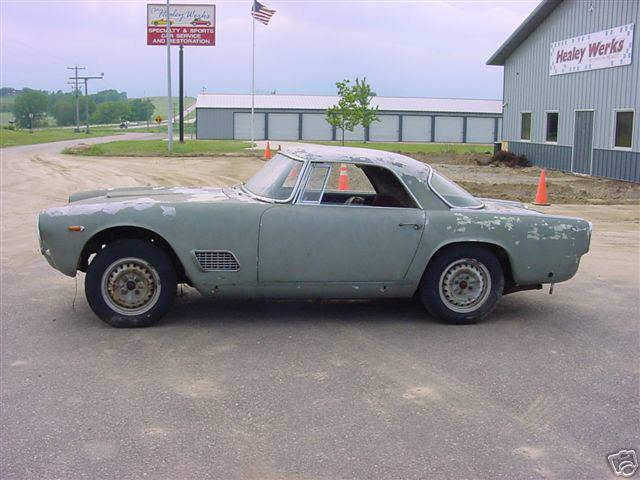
[130, 283]
[462, 284]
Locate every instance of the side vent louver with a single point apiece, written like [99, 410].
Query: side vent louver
[212, 260]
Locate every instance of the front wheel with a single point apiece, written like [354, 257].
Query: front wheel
[130, 283]
[462, 284]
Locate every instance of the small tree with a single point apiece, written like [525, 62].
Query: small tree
[363, 94]
[344, 115]
[32, 103]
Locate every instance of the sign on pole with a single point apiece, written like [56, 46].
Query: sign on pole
[190, 24]
[603, 49]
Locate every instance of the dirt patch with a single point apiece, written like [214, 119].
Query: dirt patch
[474, 172]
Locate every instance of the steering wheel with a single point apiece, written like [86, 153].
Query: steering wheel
[354, 200]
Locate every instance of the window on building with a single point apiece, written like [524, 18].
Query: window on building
[552, 127]
[624, 129]
[525, 126]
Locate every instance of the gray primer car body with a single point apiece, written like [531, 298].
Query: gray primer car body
[293, 250]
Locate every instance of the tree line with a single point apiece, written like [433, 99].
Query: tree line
[32, 107]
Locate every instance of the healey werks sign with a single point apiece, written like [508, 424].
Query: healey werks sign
[604, 49]
[190, 24]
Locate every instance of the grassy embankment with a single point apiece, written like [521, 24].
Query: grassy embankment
[153, 148]
[10, 138]
[158, 148]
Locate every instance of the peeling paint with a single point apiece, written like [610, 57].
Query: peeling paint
[110, 208]
[168, 211]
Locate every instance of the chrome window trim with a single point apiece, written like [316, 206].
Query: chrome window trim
[450, 205]
[294, 190]
[308, 178]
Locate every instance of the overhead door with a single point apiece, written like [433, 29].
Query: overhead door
[283, 126]
[242, 126]
[480, 130]
[386, 129]
[315, 127]
[356, 135]
[448, 129]
[416, 128]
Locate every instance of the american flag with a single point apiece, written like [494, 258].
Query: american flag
[261, 13]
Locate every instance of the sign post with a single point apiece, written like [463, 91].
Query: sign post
[181, 24]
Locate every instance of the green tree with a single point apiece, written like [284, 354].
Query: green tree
[64, 109]
[110, 95]
[363, 95]
[141, 109]
[30, 103]
[112, 112]
[344, 115]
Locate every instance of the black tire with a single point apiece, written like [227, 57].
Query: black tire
[111, 274]
[480, 282]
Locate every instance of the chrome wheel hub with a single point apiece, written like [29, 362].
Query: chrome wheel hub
[465, 285]
[130, 286]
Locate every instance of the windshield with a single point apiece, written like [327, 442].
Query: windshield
[276, 179]
[453, 194]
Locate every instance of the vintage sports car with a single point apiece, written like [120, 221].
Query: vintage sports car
[314, 222]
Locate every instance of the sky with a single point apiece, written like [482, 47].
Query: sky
[404, 48]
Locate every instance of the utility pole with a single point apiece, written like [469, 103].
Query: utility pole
[181, 95]
[86, 94]
[77, 94]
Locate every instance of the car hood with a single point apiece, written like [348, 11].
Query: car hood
[162, 195]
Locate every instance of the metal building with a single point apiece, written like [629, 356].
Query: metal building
[302, 117]
[571, 89]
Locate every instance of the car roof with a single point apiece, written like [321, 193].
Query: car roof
[401, 164]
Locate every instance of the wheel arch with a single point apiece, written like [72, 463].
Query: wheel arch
[109, 235]
[496, 249]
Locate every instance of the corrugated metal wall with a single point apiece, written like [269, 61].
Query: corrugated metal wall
[529, 87]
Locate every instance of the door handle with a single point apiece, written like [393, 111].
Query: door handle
[415, 226]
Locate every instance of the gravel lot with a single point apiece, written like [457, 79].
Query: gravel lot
[546, 388]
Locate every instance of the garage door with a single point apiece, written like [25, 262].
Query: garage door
[315, 127]
[480, 130]
[356, 135]
[416, 128]
[242, 126]
[283, 126]
[448, 129]
[386, 129]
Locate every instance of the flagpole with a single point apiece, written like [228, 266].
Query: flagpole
[169, 96]
[253, 76]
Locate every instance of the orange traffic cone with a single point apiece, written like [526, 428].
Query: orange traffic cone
[343, 180]
[267, 152]
[541, 194]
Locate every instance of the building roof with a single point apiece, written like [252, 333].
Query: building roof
[521, 33]
[322, 102]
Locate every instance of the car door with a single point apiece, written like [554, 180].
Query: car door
[311, 241]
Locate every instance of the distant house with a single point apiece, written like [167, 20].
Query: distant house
[302, 117]
[571, 87]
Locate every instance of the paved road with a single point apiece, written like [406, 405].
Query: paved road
[546, 388]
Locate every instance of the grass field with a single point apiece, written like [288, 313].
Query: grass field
[418, 147]
[10, 138]
[158, 148]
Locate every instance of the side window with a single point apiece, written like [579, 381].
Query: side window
[623, 129]
[525, 126]
[315, 184]
[348, 177]
[552, 127]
